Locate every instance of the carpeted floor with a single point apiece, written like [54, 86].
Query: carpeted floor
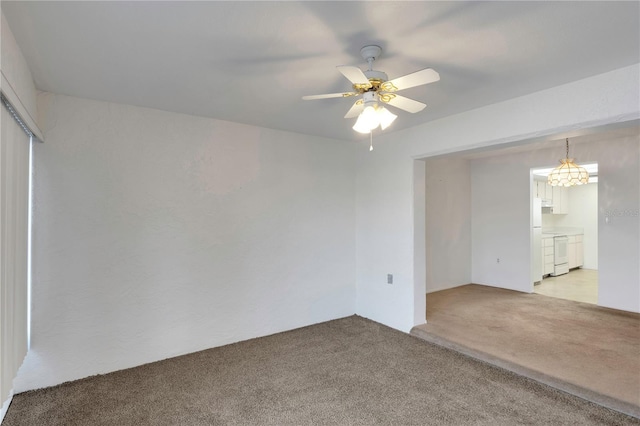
[587, 350]
[350, 371]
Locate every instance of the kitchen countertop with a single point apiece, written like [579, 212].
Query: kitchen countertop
[552, 232]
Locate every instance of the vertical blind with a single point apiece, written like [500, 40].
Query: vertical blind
[14, 245]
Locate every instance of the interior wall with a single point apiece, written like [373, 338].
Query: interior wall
[618, 227]
[583, 213]
[158, 234]
[384, 182]
[448, 223]
[419, 235]
[16, 71]
[500, 223]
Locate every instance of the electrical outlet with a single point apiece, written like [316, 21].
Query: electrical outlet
[498, 260]
[389, 278]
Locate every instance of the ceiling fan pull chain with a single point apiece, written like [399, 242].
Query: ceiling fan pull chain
[371, 140]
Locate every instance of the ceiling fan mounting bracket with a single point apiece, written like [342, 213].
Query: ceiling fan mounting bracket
[371, 52]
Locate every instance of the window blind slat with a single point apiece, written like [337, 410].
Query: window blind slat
[14, 246]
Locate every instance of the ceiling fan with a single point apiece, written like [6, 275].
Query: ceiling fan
[376, 90]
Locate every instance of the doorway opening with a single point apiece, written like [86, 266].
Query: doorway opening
[478, 217]
[565, 237]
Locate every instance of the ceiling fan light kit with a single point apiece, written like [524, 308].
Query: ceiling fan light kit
[376, 90]
[373, 115]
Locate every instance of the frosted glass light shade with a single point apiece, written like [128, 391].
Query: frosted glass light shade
[386, 117]
[367, 120]
[568, 173]
[373, 116]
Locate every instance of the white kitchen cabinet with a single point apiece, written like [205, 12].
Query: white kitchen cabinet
[556, 196]
[560, 199]
[540, 191]
[543, 191]
[575, 251]
[547, 256]
[571, 252]
[579, 252]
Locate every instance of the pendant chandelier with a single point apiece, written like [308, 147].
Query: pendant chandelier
[568, 173]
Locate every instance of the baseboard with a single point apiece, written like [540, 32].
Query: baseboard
[5, 406]
[433, 290]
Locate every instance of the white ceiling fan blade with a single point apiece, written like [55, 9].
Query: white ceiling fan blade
[328, 96]
[355, 109]
[406, 104]
[417, 78]
[354, 74]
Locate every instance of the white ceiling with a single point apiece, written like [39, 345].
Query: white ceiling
[250, 62]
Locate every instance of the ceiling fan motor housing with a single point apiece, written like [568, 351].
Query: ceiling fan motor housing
[376, 75]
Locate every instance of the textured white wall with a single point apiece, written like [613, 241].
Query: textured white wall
[15, 69]
[500, 205]
[158, 234]
[619, 236]
[448, 229]
[384, 211]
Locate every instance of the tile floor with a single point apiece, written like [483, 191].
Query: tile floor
[580, 285]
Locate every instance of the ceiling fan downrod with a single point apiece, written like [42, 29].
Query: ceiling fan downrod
[370, 53]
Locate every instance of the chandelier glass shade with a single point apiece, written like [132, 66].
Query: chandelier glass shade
[372, 116]
[568, 173]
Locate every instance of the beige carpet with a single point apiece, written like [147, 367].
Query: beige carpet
[350, 371]
[581, 348]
